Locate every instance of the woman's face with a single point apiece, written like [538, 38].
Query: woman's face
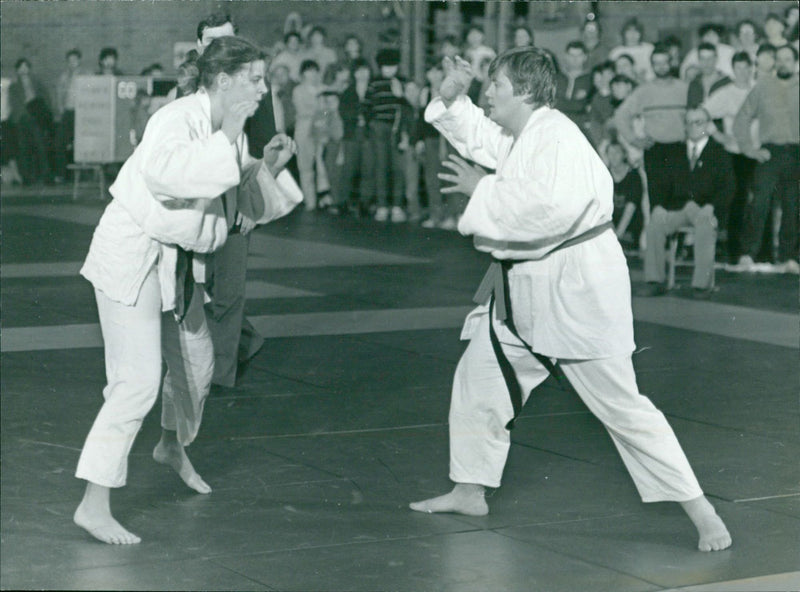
[747, 35]
[352, 48]
[522, 38]
[246, 86]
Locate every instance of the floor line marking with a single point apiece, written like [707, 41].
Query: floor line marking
[766, 497]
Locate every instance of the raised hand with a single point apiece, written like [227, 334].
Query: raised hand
[457, 78]
[465, 176]
[277, 152]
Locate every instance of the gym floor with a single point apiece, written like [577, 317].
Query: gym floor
[341, 420]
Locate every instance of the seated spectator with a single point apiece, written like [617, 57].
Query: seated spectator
[723, 105]
[317, 49]
[774, 102]
[596, 48]
[747, 38]
[601, 109]
[32, 119]
[107, 62]
[774, 31]
[633, 44]
[291, 56]
[710, 77]
[765, 61]
[476, 50]
[522, 36]
[574, 84]
[703, 181]
[628, 195]
[710, 33]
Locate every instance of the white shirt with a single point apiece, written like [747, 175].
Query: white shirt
[695, 149]
[724, 60]
[724, 103]
[550, 185]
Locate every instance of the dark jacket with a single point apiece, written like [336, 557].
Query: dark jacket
[711, 181]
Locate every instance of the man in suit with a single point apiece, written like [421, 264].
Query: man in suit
[703, 182]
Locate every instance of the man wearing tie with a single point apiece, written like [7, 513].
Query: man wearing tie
[703, 183]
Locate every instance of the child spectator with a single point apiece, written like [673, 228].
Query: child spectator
[385, 98]
[629, 208]
[357, 177]
[328, 131]
[304, 100]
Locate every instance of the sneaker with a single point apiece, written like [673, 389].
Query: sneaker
[791, 266]
[381, 214]
[398, 215]
[429, 223]
[449, 224]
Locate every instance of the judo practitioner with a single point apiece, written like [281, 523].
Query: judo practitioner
[556, 298]
[146, 263]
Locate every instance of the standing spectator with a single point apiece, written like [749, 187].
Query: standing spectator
[621, 88]
[709, 33]
[601, 108]
[709, 79]
[661, 103]
[724, 104]
[410, 115]
[747, 38]
[596, 48]
[628, 195]
[107, 62]
[281, 87]
[65, 113]
[318, 51]
[574, 85]
[636, 47]
[140, 114]
[522, 36]
[774, 102]
[328, 131]
[385, 98]
[336, 77]
[624, 66]
[675, 51]
[357, 176]
[291, 56]
[33, 124]
[304, 100]
[434, 152]
[476, 50]
[353, 50]
[448, 47]
[765, 61]
[774, 31]
[704, 182]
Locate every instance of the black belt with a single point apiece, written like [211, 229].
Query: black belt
[494, 286]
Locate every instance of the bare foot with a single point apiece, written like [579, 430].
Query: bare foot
[466, 498]
[102, 526]
[175, 456]
[714, 536]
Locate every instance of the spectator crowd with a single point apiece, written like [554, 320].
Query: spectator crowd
[699, 140]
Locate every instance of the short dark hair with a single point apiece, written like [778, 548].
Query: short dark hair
[744, 22]
[775, 17]
[306, 65]
[603, 67]
[625, 56]
[632, 23]
[528, 30]
[108, 51]
[672, 41]
[709, 28]
[575, 44]
[388, 56]
[228, 55]
[765, 48]
[660, 48]
[531, 72]
[291, 34]
[741, 56]
[592, 21]
[317, 29]
[705, 46]
[360, 63]
[213, 21]
[74, 51]
[21, 62]
[621, 78]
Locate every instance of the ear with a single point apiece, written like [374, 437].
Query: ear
[224, 81]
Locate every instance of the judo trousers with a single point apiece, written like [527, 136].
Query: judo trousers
[135, 339]
[481, 408]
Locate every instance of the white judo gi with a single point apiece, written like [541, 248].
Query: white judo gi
[572, 305]
[180, 158]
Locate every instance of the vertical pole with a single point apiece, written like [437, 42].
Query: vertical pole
[503, 20]
[419, 12]
[490, 23]
[405, 38]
